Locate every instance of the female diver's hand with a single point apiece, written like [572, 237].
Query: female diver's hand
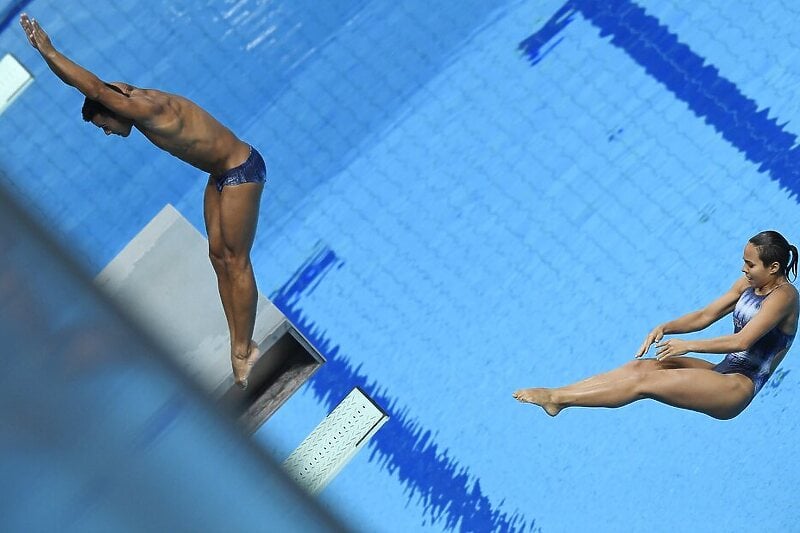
[654, 336]
[671, 348]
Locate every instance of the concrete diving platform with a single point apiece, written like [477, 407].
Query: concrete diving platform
[164, 280]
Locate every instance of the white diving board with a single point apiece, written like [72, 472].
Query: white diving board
[14, 79]
[335, 441]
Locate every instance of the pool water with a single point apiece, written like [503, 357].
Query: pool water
[464, 199]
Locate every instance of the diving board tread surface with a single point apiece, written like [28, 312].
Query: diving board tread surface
[335, 441]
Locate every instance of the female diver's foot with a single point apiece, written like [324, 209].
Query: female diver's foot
[243, 364]
[541, 397]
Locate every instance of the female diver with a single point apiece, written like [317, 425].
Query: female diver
[765, 311]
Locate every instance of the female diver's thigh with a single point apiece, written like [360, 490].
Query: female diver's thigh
[684, 362]
[718, 395]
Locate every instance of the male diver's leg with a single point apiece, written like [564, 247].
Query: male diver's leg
[216, 250]
[239, 208]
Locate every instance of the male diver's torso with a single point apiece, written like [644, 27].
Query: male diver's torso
[194, 136]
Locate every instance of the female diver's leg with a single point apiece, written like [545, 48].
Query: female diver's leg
[682, 382]
[635, 367]
[638, 366]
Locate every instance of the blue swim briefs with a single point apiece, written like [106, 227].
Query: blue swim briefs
[253, 170]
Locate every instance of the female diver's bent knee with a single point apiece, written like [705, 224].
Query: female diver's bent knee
[727, 414]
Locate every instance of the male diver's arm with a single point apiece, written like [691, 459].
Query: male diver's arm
[85, 81]
[696, 320]
[69, 72]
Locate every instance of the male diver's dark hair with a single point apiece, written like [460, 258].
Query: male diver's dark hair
[774, 248]
[93, 107]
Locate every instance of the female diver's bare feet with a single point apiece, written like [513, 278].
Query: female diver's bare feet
[243, 364]
[541, 397]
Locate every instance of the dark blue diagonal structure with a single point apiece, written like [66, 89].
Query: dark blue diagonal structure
[689, 77]
[450, 494]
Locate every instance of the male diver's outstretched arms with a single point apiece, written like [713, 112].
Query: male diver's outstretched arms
[137, 109]
[697, 320]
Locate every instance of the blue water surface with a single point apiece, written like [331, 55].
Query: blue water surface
[466, 198]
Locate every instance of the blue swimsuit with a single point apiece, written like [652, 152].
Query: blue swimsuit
[755, 363]
[253, 170]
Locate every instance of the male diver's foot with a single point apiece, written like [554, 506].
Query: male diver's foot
[541, 397]
[243, 365]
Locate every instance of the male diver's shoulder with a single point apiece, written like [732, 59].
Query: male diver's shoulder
[151, 94]
[160, 102]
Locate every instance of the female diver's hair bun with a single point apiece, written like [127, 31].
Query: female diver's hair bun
[791, 268]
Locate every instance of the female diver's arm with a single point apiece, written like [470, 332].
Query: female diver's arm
[773, 311]
[703, 318]
[697, 320]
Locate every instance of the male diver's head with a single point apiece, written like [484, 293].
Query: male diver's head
[104, 118]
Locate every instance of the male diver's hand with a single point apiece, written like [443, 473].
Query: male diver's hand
[671, 348]
[654, 336]
[36, 35]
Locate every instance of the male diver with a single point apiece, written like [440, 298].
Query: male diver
[232, 196]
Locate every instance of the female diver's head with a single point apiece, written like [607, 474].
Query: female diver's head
[769, 258]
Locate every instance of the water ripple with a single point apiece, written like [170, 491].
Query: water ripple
[446, 490]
